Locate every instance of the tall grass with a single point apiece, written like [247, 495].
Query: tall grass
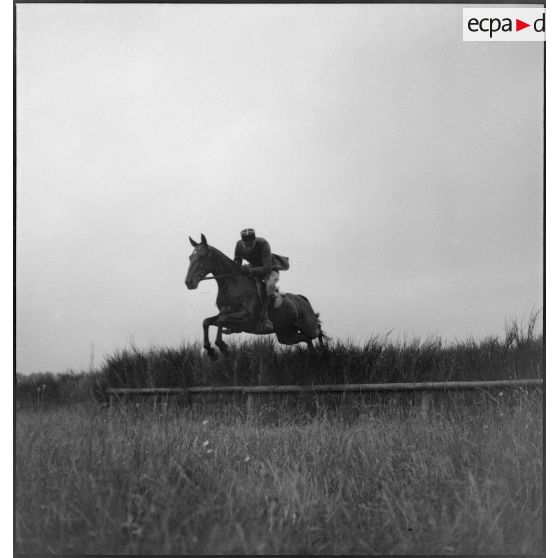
[519, 354]
[380, 480]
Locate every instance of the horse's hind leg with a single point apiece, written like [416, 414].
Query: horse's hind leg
[309, 330]
[211, 353]
[293, 337]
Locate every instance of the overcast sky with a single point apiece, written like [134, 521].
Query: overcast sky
[400, 169]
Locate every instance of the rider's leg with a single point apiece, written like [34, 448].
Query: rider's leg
[271, 286]
[270, 294]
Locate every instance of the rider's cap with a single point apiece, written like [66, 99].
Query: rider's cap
[248, 234]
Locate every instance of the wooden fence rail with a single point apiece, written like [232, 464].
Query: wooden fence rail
[318, 388]
[250, 391]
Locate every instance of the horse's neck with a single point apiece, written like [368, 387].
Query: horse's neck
[231, 284]
[222, 265]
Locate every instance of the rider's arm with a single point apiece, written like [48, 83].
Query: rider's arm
[238, 251]
[265, 269]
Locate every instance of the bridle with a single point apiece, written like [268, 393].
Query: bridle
[223, 276]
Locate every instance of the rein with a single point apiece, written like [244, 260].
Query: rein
[219, 276]
[210, 256]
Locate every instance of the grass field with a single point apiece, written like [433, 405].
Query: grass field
[359, 479]
[519, 353]
[328, 474]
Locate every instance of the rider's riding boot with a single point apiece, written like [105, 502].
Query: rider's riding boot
[265, 325]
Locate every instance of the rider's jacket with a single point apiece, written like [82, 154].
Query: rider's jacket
[258, 254]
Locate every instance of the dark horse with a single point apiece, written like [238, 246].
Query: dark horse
[240, 301]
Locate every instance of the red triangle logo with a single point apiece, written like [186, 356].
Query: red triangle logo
[519, 25]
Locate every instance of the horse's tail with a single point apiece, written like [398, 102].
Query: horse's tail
[322, 335]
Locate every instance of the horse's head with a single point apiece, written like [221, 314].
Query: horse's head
[200, 263]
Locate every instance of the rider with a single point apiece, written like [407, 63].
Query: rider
[262, 264]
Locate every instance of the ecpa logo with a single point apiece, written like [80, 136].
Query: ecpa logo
[503, 24]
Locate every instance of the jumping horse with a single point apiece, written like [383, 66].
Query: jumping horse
[240, 300]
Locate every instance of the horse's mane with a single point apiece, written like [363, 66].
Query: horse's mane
[223, 255]
[225, 260]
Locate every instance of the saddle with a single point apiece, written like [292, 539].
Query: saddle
[262, 294]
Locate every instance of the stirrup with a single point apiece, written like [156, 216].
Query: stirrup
[265, 326]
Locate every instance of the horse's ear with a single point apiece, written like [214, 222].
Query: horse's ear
[193, 242]
[204, 240]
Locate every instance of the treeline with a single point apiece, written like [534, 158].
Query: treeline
[45, 388]
[260, 361]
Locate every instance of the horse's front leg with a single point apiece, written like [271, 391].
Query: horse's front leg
[206, 343]
[223, 347]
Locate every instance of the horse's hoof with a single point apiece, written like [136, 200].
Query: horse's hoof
[223, 347]
[212, 354]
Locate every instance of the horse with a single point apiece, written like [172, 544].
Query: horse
[240, 302]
